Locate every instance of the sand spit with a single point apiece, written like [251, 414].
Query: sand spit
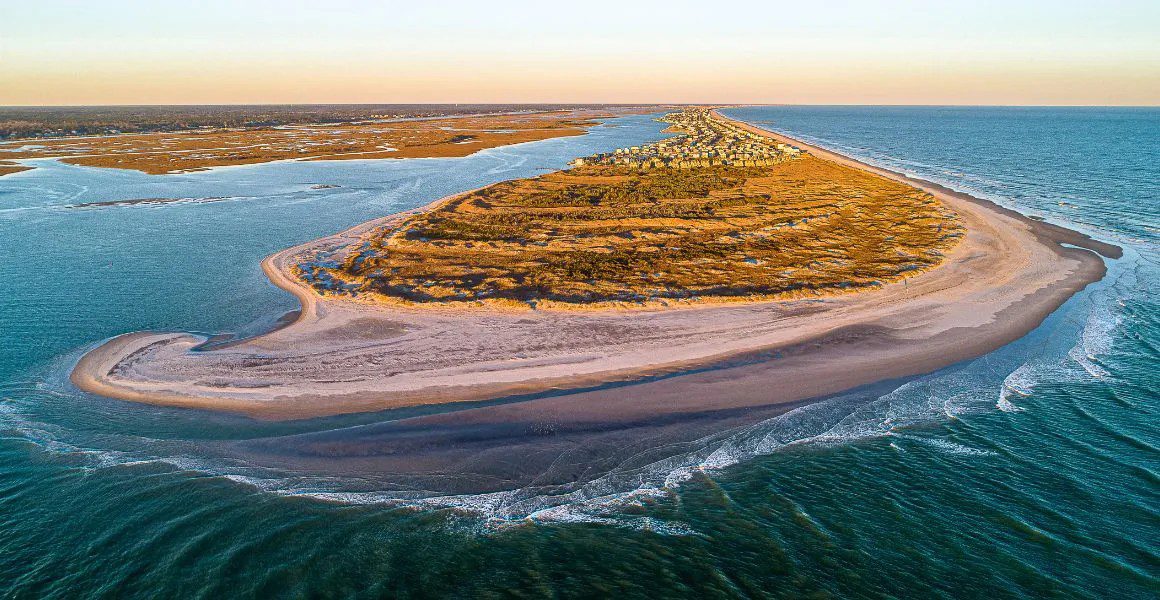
[340, 356]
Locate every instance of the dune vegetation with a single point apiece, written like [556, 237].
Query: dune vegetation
[618, 234]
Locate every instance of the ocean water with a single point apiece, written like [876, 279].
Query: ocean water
[1031, 471]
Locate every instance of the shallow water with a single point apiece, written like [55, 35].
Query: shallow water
[1029, 471]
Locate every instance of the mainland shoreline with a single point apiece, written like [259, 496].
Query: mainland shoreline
[339, 357]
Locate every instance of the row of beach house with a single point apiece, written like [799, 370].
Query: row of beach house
[705, 142]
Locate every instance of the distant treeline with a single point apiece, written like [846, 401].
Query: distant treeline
[59, 121]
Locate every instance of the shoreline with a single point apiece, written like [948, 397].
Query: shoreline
[342, 357]
[1065, 235]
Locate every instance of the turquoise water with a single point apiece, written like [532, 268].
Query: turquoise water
[1028, 472]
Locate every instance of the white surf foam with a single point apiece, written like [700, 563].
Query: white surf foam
[948, 447]
[1019, 383]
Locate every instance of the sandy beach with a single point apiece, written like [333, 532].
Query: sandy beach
[341, 356]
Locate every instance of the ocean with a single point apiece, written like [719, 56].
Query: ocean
[1031, 471]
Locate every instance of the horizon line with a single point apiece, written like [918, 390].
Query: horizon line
[718, 104]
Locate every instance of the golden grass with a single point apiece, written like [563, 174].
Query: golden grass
[159, 153]
[601, 234]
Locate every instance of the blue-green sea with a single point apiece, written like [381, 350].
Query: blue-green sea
[1033, 471]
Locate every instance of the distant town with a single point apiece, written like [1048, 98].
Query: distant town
[705, 142]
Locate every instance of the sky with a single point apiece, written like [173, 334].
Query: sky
[1061, 52]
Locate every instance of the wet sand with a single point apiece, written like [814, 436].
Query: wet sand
[574, 371]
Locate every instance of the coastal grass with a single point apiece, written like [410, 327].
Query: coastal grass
[615, 234]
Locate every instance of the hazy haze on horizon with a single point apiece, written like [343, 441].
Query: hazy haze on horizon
[347, 51]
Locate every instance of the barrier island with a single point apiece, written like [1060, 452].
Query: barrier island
[724, 268]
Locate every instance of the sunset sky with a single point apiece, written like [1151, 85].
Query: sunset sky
[812, 52]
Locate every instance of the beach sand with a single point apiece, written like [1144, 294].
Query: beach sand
[341, 356]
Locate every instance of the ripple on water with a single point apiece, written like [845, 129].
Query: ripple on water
[1032, 468]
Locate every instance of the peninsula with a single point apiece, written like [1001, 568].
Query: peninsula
[9, 167]
[720, 242]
